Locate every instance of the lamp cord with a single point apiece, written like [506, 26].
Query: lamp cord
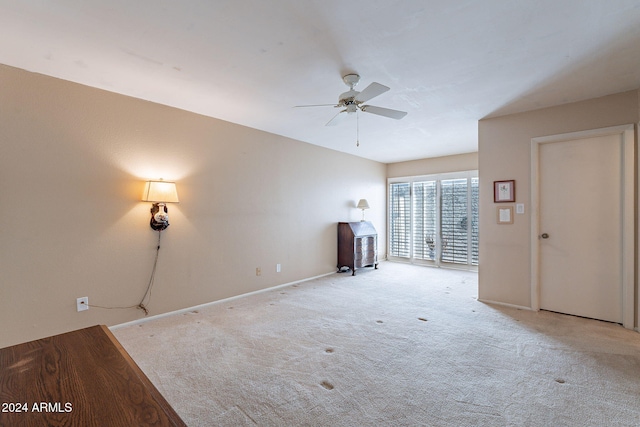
[147, 295]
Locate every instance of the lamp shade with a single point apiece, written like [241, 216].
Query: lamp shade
[363, 204]
[160, 191]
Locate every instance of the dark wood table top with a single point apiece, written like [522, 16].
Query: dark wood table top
[81, 378]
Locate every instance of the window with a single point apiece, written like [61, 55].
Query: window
[434, 219]
[424, 220]
[400, 219]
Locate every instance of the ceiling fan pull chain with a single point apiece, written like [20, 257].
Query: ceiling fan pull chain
[357, 129]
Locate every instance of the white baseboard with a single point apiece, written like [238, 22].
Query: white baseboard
[504, 304]
[209, 304]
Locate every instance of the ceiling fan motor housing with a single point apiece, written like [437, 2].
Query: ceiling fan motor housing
[348, 97]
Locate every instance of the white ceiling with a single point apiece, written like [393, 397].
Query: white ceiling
[449, 63]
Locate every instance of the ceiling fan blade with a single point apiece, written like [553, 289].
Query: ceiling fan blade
[386, 112]
[315, 105]
[371, 91]
[337, 118]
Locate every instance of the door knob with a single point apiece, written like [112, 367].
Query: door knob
[544, 235]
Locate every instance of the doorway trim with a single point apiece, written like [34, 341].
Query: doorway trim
[627, 133]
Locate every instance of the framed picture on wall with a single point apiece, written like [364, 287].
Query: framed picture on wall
[504, 214]
[504, 191]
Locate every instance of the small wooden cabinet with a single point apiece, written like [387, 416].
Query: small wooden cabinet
[357, 245]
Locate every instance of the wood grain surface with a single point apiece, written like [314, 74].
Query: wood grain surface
[81, 378]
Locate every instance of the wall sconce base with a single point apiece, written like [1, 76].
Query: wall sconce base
[159, 217]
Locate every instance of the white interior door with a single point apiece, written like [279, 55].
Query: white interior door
[581, 201]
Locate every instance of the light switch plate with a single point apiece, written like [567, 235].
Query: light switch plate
[520, 208]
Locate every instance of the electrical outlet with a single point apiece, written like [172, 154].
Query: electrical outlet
[278, 268]
[258, 271]
[82, 303]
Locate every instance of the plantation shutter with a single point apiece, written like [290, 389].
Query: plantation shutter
[424, 220]
[475, 207]
[433, 219]
[454, 217]
[399, 219]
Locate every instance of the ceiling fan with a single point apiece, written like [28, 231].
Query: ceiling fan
[352, 100]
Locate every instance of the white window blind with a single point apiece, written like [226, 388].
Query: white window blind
[400, 219]
[425, 231]
[435, 219]
[475, 207]
[454, 226]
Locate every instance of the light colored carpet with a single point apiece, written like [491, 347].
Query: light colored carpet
[399, 346]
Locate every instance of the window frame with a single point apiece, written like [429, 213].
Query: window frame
[469, 175]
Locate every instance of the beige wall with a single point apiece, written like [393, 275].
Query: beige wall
[456, 163]
[505, 153]
[72, 165]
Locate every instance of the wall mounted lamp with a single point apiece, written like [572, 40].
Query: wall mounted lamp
[363, 204]
[160, 193]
